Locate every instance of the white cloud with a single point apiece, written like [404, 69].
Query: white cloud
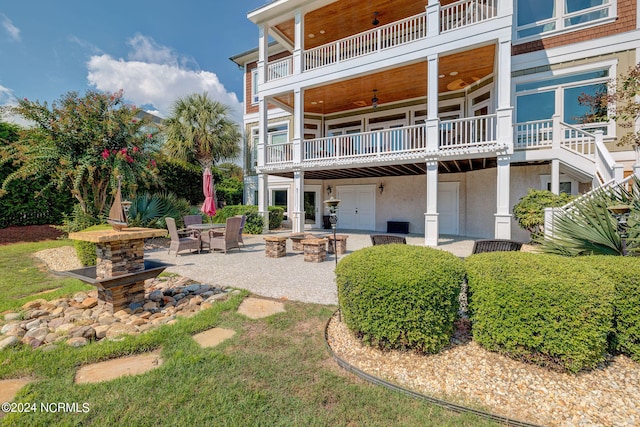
[12, 30]
[154, 75]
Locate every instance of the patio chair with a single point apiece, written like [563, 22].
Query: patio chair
[385, 239]
[495, 245]
[189, 220]
[244, 220]
[181, 243]
[229, 240]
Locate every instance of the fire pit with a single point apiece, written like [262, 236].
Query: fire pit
[120, 269]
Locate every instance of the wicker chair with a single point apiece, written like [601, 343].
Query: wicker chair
[495, 245]
[385, 239]
[180, 243]
[244, 220]
[229, 240]
[190, 220]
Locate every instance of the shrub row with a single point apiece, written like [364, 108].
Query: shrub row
[400, 296]
[553, 310]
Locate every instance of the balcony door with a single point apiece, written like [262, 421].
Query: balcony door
[357, 209]
[312, 206]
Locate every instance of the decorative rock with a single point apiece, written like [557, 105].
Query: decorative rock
[32, 324]
[80, 296]
[9, 326]
[192, 288]
[65, 328]
[83, 331]
[101, 331]
[77, 342]
[149, 305]
[51, 337]
[57, 312]
[37, 333]
[118, 329]
[218, 297]
[36, 303]
[196, 300]
[107, 320]
[156, 295]
[178, 296]
[89, 302]
[9, 342]
[38, 313]
[11, 316]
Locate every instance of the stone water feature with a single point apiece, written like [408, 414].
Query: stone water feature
[120, 270]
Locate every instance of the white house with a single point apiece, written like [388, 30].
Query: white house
[439, 115]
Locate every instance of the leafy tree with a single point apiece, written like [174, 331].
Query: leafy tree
[529, 211]
[200, 131]
[83, 144]
[622, 100]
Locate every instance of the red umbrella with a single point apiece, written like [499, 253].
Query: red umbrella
[209, 205]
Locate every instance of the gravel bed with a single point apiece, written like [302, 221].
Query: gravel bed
[466, 374]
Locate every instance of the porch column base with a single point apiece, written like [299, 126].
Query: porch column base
[503, 226]
[297, 222]
[431, 229]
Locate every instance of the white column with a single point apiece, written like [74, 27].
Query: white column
[433, 18]
[297, 218]
[433, 133]
[504, 111]
[298, 42]
[263, 199]
[555, 176]
[431, 216]
[263, 53]
[298, 124]
[502, 216]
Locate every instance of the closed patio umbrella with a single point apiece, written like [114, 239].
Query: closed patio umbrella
[209, 205]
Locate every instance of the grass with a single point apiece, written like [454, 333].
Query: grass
[22, 275]
[274, 371]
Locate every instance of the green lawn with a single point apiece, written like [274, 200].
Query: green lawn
[274, 371]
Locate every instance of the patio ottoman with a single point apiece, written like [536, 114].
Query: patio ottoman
[315, 250]
[275, 246]
[340, 244]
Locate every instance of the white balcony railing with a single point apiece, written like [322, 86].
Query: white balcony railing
[279, 69]
[466, 12]
[279, 153]
[367, 144]
[577, 140]
[384, 37]
[468, 132]
[535, 134]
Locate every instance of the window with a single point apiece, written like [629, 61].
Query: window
[280, 198]
[535, 17]
[254, 86]
[561, 95]
[277, 134]
[568, 185]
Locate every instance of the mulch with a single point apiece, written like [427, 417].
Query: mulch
[28, 233]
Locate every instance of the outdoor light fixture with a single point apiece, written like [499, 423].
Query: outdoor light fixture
[381, 188]
[329, 189]
[375, 19]
[621, 214]
[374, 100]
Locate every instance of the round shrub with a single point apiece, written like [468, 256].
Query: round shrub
[400, 296]
[547, 309]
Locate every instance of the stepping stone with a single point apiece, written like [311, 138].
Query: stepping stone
[9, 388]
[111, 369]
[213, 337]
[257, 308]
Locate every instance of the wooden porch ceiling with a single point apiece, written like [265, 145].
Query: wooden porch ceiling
[344, 18]
[444, 166]
[397, 84]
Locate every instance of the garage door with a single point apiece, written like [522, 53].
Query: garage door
[357, 207]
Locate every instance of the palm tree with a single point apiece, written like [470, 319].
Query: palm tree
[200, 130]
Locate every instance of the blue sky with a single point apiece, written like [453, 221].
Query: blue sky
[156, 51]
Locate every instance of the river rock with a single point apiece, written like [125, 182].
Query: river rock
[9, 342]
[101, 331]
[77, 342]
[8, 317]
[83, 331]
[33, 304]
[89, 302]
[118, 329]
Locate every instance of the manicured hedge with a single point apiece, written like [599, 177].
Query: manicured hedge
[547, 309]
[624, 272]
[255, 222]
[400, 296]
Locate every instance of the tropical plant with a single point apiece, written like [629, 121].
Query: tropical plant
[82, 144]
[529, 211]
[588, 227]
[200, 131]
[150, 210]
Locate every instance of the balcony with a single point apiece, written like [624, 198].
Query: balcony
[473, 134]
[458, 15]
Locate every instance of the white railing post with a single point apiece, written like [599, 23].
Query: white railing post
[557, 132]
[548, 221]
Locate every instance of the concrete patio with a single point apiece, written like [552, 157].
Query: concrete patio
[289, 277]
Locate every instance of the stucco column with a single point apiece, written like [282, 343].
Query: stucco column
[263, 199]
[502, 216]
[431, 215]
[297, 217]
[298, 49]
[298, 124]
[555, 176]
